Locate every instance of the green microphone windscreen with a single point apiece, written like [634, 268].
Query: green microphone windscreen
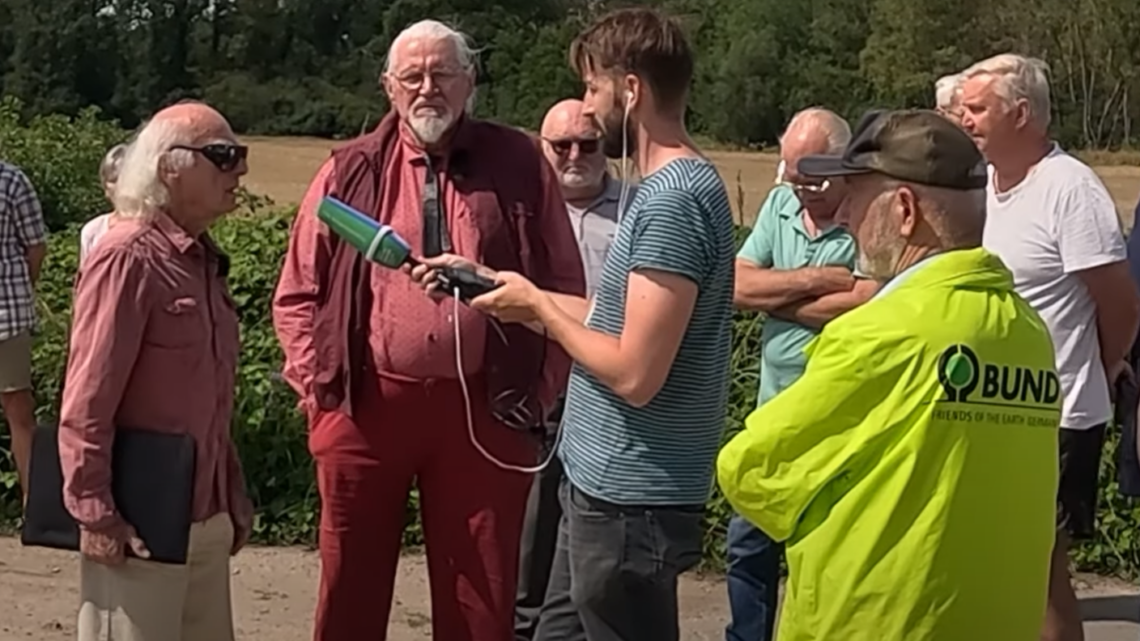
[379, 243]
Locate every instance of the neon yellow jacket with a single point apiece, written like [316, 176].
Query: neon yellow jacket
[913, 468]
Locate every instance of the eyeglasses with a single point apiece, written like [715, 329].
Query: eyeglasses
[585, 146]
[811, 188]
[224, 156]
[414, 80]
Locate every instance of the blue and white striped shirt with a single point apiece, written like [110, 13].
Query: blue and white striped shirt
[662, 453]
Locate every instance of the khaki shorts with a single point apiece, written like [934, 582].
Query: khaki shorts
[16, 363]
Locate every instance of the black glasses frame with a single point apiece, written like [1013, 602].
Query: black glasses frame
[586, 146]
[225, 156]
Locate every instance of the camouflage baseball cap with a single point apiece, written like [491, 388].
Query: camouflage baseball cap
[916, 146]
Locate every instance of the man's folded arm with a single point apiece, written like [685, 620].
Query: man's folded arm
[109, 321]
[809, 434]
[298, 287]
[817, 312]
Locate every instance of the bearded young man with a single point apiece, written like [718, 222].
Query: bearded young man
[571, 142]
[375, 360]
[646, 402]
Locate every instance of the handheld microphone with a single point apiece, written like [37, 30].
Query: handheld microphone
[381, 244]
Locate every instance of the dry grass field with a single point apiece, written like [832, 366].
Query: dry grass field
[282, 167]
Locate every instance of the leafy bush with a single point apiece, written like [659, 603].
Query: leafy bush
[61, 156]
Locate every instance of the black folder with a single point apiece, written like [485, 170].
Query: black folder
[152, 482]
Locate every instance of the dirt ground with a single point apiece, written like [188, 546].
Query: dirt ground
[274, 592]
[283, 167]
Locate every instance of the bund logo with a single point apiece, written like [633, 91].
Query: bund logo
[965, 379]
[958, 372]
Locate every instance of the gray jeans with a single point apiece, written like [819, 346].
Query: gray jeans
[615, 570]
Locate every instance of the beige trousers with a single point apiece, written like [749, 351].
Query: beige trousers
[146, 601]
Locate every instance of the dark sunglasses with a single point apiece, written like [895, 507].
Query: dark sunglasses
[225, 157]
[585, 147]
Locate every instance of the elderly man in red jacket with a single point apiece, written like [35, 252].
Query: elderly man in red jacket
[375, 360]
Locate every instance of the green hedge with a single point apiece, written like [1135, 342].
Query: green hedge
[61, 157]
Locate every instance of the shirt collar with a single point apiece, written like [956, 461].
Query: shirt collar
[177, 236]
[611, 191]
[184, 242]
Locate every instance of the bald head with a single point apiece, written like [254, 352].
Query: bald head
[192, 120]
[566, 120]
[571, 142]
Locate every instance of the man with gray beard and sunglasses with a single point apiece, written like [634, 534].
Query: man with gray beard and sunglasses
[398, 385]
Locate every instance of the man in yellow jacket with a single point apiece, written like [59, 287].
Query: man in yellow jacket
[912, 470]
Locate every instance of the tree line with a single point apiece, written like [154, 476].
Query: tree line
[310, 67]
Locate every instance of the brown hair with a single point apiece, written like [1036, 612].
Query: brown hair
[642, 42]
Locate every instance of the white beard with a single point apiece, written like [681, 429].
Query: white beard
[430, 129]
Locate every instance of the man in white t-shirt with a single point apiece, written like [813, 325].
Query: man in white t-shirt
[1050, 218]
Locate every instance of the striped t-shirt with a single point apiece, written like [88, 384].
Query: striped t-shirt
[663, 453]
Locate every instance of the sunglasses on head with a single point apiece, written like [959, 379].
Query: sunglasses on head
[585, 146]
[224, 156]
[809, 187]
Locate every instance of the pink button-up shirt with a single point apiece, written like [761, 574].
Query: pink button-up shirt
[154, 345]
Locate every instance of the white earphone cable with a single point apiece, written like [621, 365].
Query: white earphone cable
[467, 403]
[624, 158]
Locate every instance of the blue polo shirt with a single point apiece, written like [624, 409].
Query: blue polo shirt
[779, 240]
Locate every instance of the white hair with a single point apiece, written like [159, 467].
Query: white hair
[836, 129]
[140, 190]
[946, 90]
[431, 129]
[1018, 78]
[435, 30]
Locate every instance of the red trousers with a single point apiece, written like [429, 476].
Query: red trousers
[472, 511]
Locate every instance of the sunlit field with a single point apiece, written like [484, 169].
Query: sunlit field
[282, 167]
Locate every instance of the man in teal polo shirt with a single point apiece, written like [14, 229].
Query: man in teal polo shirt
[797, 267]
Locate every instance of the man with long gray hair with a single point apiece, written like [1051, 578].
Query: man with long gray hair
[154, 345]
[1052, 221]
[797, 266]
[399, 386]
